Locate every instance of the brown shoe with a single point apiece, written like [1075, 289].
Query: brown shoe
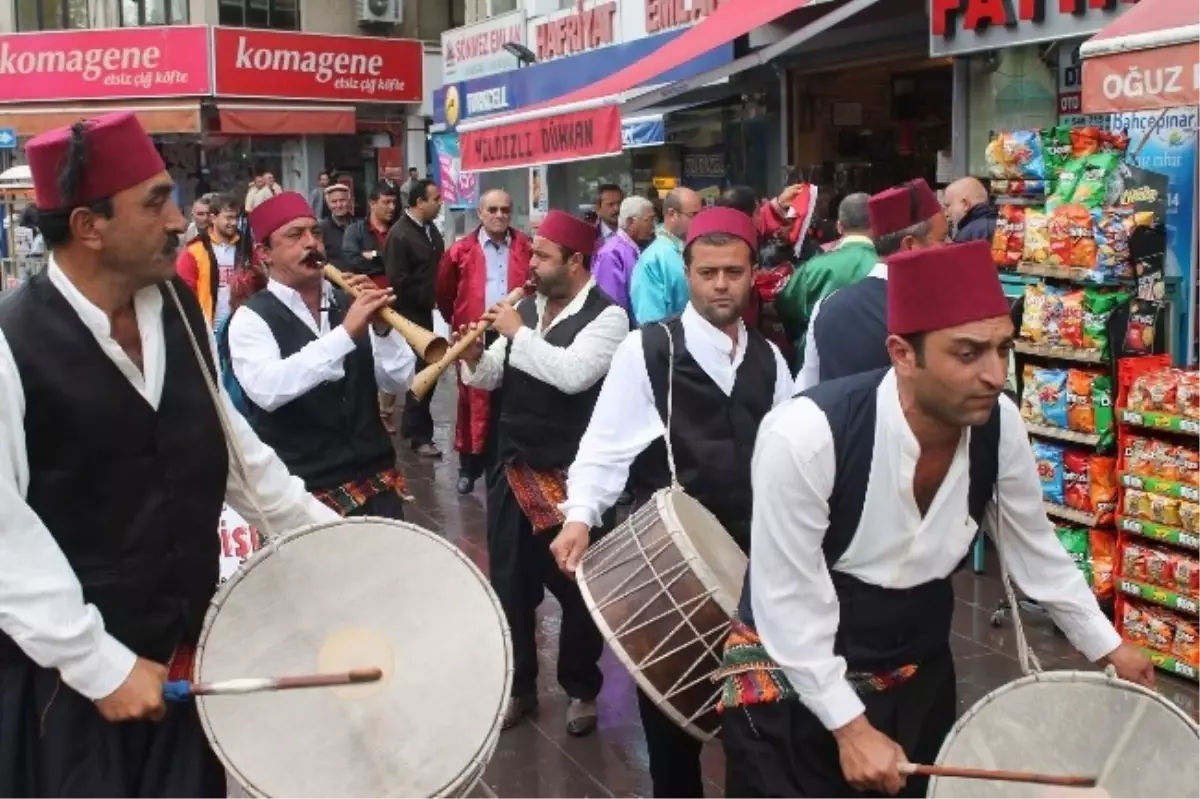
[518, 708]
[581, 718]
[428, 451]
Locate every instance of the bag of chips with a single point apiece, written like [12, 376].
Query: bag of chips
[1102, 547]
[1073, 236]
[1102, 410]
[1187, 396]
[1068, 179]
[1075, 541]
[1081, 417]
[1114, 141]
[1154, 391]
[1185, 577]
[1049, 458]
[1056, 149]
[1043, 306]
[1016, 155]
[1044, 397]
[1133, 562]
[1160, 629]
[1008, 242]
[1112, 246]
[1098, 306]
[1036, 232]
[1134, 624]
[1076, 488]
[1093, 188]
[1144, 318]
[1070, 323]
[1160, 567]
[1084, 141]
[1137, 504]
[1102, 487]
[1186, 646]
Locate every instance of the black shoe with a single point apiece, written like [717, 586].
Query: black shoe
[626, 498]
[581, 717]
[466, 484]
[518, 708]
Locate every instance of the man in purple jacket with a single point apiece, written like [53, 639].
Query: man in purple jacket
[613, 264]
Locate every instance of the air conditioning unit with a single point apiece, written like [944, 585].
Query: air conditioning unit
[380, 12]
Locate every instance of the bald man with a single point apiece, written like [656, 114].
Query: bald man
[966, 203]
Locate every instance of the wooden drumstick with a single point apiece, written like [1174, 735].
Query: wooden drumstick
[1072, 780]
[181, 690]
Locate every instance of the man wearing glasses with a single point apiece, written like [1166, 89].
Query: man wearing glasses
[477, 272]
[658, 289]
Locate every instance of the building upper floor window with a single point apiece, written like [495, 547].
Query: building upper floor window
[51, 15]
[278, 14]
[154, 12]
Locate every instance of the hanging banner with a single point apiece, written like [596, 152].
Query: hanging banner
[553, 139]
[238, 541]
[1159, 77]
[459, 189]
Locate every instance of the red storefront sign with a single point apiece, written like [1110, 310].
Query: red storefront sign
[111, 64]
[1161, 77]
[307, 66]
[562, 137]
[581, 30]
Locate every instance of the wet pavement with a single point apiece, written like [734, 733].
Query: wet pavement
[538, 758]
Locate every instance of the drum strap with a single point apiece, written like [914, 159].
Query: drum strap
[670, 405]
[1025, 656]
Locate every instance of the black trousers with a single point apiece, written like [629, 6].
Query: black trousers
[674, 755]
[781, 749]
[416, 420]
[54, 742]
[387, 505]
[521, 568]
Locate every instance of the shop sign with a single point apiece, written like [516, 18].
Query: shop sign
[459, 189]
[561, 137]
[577, 31]
[477, 50]
[643, 132]
[966, 26]
[306, 66]
[1162, 77]
[114, 64]
[663, 15]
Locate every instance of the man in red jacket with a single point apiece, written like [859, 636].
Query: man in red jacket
[478, 271]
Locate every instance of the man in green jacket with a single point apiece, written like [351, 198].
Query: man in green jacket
[848, 262]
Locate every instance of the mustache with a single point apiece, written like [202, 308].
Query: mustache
[311, 258]
[172, 244]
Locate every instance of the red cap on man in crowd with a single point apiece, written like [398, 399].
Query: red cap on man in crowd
[277, 211]
[942, 287]
[903, 206]
[568, 231]
[118, 155]
[725, 220]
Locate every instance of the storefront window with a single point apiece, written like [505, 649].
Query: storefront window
[1009, 89]
[153, 12]
[278, 14]
[51, 15]
[233, 164]
[583, 178]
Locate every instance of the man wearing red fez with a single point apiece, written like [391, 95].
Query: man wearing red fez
[851, 339]
[868, 493]
[311, 362]
[115, 474]
[548, 364]
[726, 377]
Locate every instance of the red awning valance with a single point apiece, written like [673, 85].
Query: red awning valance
[285, 120]
[1146, 59]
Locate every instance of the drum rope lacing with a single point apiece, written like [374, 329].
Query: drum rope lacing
[241, 472]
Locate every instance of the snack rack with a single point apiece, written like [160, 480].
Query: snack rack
[1159, 516]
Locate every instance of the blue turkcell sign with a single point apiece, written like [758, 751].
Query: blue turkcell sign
[8, 138]
[509, 91]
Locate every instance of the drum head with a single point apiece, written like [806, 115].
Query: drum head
[358, 593]
[1134, 741]
[721, 564]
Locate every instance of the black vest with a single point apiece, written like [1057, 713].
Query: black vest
[540, 425]
[851, 330]
[712, 434]
[880, 629]
[332, 434]
[132, 496]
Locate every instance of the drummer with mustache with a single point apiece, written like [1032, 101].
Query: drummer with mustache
[726, 378]
[311, 362]
[113, 473]
[868, 491]
[548, 364]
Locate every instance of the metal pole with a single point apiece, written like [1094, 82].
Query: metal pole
[785, 127]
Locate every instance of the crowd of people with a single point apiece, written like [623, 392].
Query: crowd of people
[637, 361]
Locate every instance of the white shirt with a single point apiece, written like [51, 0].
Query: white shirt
[272, 381]
[226, 253]
[810, 373]
[41, 601]
[626, 418]
[795, 606]
[572, 369]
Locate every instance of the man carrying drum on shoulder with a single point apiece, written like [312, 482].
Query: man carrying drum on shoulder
[311, 362]
[726, 378]
[113, 472]
[548, 365]
[868, 491]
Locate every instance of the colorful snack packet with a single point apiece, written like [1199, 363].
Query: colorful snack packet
[1056, 149]
[1102, 487]
[1073, 236]
[1075, 541]
[1008, 242]
[1076, 487]
[1036, 233]
[1049, 458]
[1092, 190]
[1098, 306]
[1102, 411]
[1081, 417]
[1102, 548]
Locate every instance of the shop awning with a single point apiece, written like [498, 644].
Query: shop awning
[158, 118]
[587, 123]
[285, 120]
[1148, 58]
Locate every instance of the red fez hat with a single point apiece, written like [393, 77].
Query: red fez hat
[118, 154]
[276, 212]
[724, 220]
[568, 231]
[942, 287]
[899, 207]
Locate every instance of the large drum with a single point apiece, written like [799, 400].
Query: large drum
[349, 594]
[1073, 722]
[662, 588]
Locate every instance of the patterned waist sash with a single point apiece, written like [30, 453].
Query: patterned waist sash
[539, 494]
[346, 498]
[752, 677]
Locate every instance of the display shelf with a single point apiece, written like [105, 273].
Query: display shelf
[1061, 353]
[1075, 274]
[1164, 488]
[1157, 420]
[1088, 439]
[1159, 596]
[1159, 532]
[1170, 663]
[1071, 515]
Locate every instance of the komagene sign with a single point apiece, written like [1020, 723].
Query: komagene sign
[306, 66]
[965, 26]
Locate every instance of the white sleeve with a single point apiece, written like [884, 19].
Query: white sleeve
[395, 363]
[272, 381]
[624, 422]
[41, 600]
[796, 609]
[784, 387]
[1038, 562]
[488, 371]
[576, 368]
[810, 372]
